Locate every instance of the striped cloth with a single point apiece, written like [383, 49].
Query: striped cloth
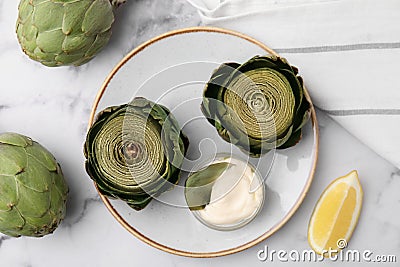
[348, 52]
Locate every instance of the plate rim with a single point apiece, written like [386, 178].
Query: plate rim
[241, 247]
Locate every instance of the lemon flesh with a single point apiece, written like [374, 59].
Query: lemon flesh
[336, 214]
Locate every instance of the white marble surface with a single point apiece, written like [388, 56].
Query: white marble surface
[52, 106]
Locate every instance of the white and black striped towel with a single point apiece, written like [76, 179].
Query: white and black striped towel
[348, 52]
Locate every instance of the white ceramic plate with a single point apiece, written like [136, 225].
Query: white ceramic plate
[172, 70]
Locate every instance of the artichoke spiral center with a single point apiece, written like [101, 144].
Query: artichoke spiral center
[261, 102]
[132, 150]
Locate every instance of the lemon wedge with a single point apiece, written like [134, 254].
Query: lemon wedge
[335, 215]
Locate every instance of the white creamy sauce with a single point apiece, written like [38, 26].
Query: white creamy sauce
[234, 198]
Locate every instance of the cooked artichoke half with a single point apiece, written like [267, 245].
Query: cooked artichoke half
[258, 106]
[134, 151]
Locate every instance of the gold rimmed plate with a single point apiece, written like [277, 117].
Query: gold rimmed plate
[172, 69]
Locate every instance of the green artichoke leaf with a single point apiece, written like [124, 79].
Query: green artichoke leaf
[32, 203]
[76, 13]
[139, 202]
[292, 141]
[35, 177]
[8, 196]
[67, 58]
[11, 222]
[300, 121]
[272, 62]
[296, 85]
[100, 41]
[42, 155]
[74, 43]
[33, 222]
[15, 139]
[198, 186]
[25, 11]
[211, 91]
[58, 197]
[59, 183]
[298, 125]
[51, 42]
[38, 2]
[47, 58]
[91, 24]
[30, 33]
[12, 160]
[49, 16]
[68, 1]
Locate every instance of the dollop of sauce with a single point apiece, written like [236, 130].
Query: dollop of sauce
[236, 195]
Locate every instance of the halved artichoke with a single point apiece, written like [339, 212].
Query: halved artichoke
[134, 151]
[258, 106]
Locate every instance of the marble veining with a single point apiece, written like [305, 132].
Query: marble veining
[53, 106]
[3, 238]
[87, 204]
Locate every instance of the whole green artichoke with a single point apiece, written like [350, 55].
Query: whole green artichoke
[64, 32]
[33, 191]
[258, 106]
[134, 151]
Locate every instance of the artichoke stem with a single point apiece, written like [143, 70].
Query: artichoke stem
[117, 3]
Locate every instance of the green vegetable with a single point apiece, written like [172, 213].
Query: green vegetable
[134, 151]
[198, 186]
[33, 191]
[258, 105]
[64, 32]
